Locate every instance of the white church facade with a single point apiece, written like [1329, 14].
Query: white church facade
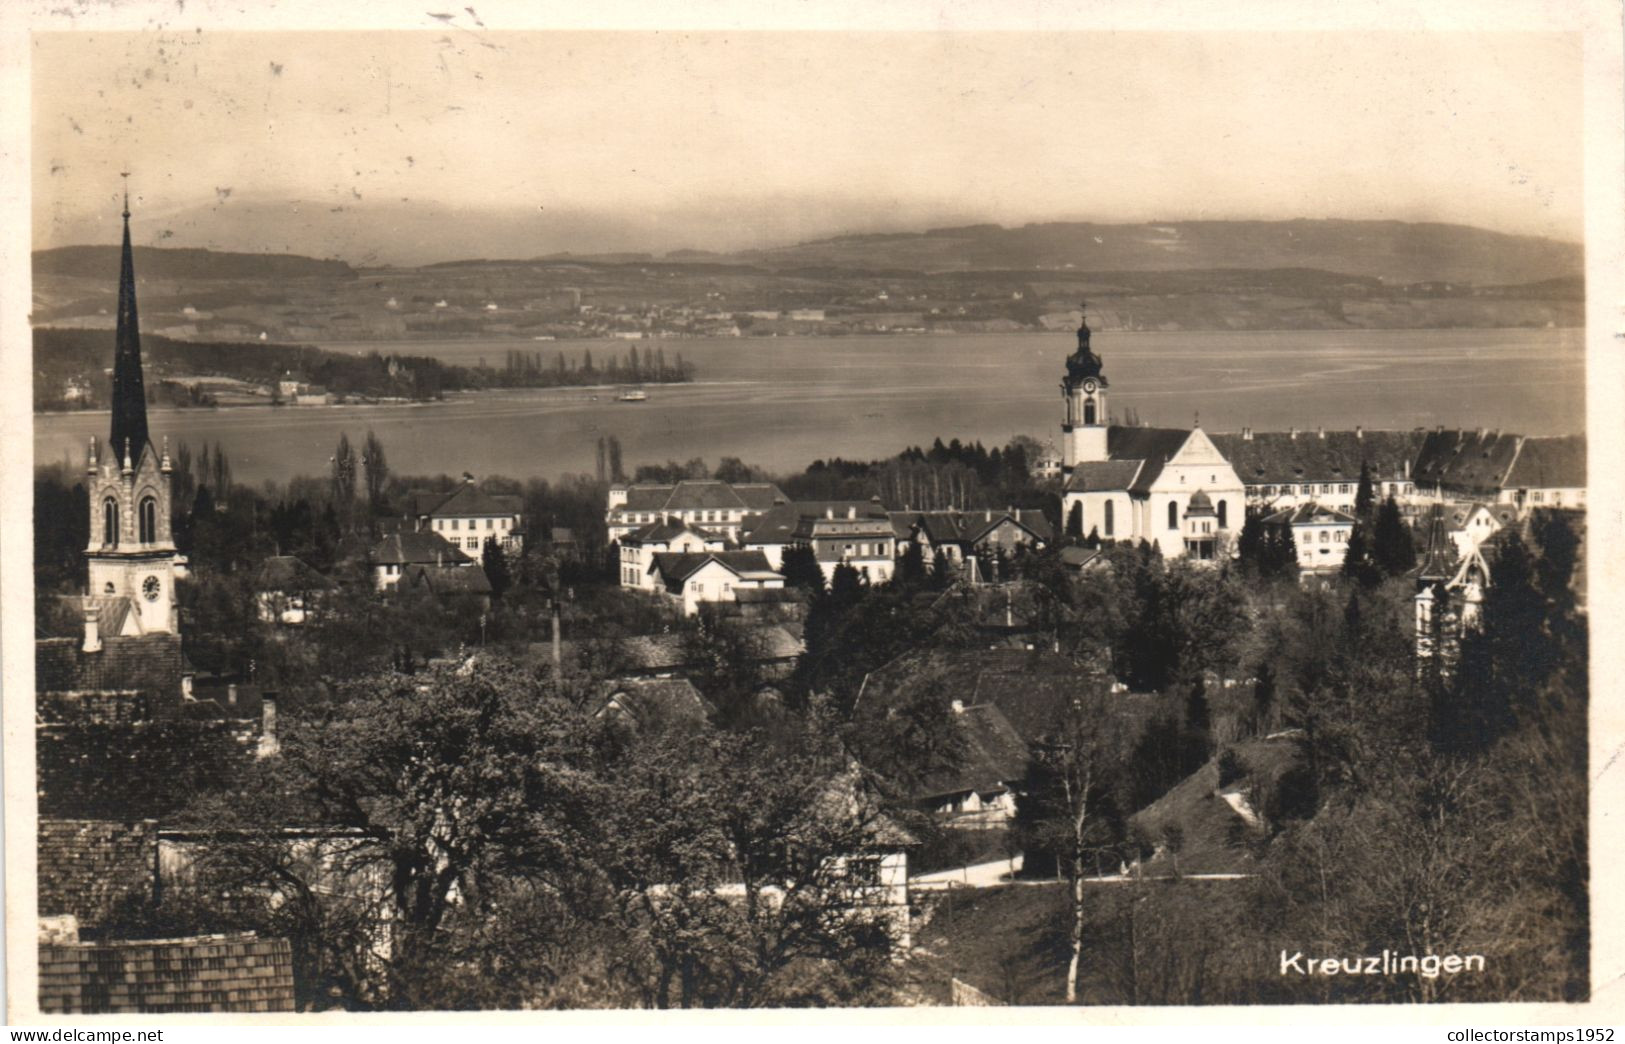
[1170, 486]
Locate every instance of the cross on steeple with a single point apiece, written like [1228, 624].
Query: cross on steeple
[126, 176]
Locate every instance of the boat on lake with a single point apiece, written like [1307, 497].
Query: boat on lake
[634, 395]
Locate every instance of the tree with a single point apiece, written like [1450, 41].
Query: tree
[801, 569]
[1068, 807]
[1392, 549]
[343, 480]
[617, 473]
[377, 471]
[495, 563]
[1359, 562]
[1074, 521]
[1364, 497]
[911, 566]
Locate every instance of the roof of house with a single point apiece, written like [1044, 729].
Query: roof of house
[1472, 462]
[702, 494]
[287, 573]
[148, 663]
[793, 522]
[666, 532]
[1079, 557]
[1549, 463]
[969, 527]
[1103, 475]
[443, 580]
[674, 567]
[464, 501]
[1282, 457]
[1309, 514]
[88, 867]
[668, 652]
[994, 756]
[142, 769]
[647, 701]
[209, 973]
[419, 547]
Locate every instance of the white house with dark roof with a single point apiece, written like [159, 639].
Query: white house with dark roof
[858, 533]
[1319, 533]
[711, 576]
[1284, 469]
[396, 553]
[720, 507]
[961, 534]
[637, 547]
[1547, 473]
[467, 517]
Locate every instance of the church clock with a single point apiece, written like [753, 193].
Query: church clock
[1089, 386]
[151, 588]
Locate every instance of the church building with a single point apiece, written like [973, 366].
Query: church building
[1170, 486]
[132, 559]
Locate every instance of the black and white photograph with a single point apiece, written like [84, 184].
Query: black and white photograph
[1085, 517]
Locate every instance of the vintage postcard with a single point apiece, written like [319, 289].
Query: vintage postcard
[1100, 514]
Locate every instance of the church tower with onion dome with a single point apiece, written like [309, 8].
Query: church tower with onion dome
[1083, 433]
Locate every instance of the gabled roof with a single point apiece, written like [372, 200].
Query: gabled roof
[1465, 461]
[1155, 446]
[646, 701]
[149, 663]
[1103, 475]
[1549, 463]
[675, 567]
[1282, 457]
[1078, 557]
[801, 520]
[209, 973]
[87, 866]
[666, 532]
[446, 580]
[417, 548]
[469, 500]
[287, 573]
[702, 494]
[994, 756]
[1309, 514]
[969, 526]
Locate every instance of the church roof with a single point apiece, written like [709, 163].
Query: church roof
[1154, 446]
[1095, 476]
[129, 394]
[1200, 504]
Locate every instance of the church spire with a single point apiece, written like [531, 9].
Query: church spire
[129, 392]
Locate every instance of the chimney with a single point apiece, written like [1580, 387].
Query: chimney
[231, 694]
[268, 740]
[1320, 432]
[829, 512]
[851, 511]
[1359, 432]
[93, 636]
[1292, 433]
[958, 706]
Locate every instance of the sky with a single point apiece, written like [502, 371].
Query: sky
[405, 147]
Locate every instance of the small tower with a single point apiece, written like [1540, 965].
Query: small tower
[1083, 434]
[131, 553]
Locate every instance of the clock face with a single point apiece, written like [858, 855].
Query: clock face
[1089, 386]
[150, 587]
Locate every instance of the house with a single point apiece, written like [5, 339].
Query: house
[467, 517]
[1547, 473]
[962, 535]
[1470, 524]
[979, 790]
[1319, 533]
[858, 533]
[394, 553]
[448, 581]
[287, 590]
[641, 703]
[1284, 469]
[1077, 559]
[775, 648]
[697, 578]
[1450, 584]
[236, 972]
[719, 507]
[638, 547]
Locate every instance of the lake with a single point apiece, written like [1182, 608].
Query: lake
[784, 402]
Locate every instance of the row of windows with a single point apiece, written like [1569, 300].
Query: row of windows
[148, 518]
[1307, 489]
[473, 523]
[636, 517]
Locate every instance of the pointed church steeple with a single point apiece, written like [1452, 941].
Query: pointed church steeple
[129, 391]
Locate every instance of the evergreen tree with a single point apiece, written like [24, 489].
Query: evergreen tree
[942, 570]
[1359, 563]
[1074, 522]
[1392, 549]
[377, 468]
[800, 568]
[911, 567]
[1364, 497]
[495, 564]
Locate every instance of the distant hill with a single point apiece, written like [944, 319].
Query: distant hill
[1392, 251]
[102, 262]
